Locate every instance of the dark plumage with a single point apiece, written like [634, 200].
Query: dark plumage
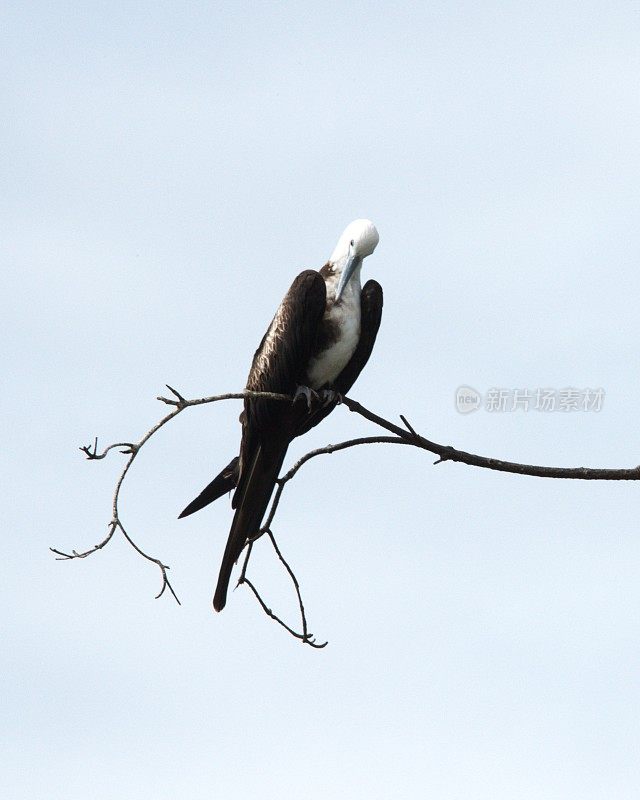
[300, 331]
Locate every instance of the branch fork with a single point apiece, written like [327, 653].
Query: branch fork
[406, 435]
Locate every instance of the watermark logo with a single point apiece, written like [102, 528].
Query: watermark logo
[467, 399]
[544, 400]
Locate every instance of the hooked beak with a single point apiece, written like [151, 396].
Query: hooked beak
[353, 261]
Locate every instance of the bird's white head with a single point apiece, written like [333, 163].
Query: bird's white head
[358, 240]
[360, 237]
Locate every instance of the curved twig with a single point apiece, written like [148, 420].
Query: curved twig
[132, 449]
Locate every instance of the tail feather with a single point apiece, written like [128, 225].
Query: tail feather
[224, 482]
[257, 490]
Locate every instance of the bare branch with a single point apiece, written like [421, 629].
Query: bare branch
[404, 436]
[93, 455]
[408, 426]
[448, 453]
[199, 401]
[74, 553]
[132, 449]
[305, 637]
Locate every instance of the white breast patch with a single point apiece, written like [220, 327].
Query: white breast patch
[326, 367]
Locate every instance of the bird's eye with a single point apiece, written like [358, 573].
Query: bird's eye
[352, 243]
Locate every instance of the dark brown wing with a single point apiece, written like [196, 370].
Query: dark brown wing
[280, 361]
[279, 365]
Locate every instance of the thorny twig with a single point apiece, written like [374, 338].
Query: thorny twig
[405, 436]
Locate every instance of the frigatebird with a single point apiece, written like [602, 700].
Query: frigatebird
[314, 349]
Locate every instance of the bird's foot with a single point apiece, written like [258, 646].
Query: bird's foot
[307, 393]
[328, 396]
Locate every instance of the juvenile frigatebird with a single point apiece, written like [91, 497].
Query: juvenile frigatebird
[316, 346]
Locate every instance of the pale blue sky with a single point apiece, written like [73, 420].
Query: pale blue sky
[167, 170]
